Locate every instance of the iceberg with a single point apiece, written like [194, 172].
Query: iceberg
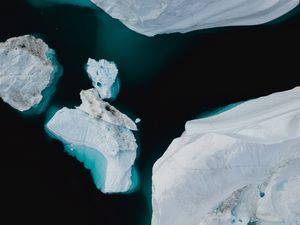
[237, 167]
[151, 17]
[104, 77]
[28, 73]
[93, 105]
[101, 137]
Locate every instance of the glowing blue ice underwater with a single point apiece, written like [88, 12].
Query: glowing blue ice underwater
[97, 134]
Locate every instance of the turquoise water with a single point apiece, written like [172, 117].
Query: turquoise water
[262, 194]
[165, 80]
[48, 3]
[218, 110]
[92, 159]
[115, 89]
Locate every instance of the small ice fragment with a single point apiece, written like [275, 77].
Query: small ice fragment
[104, 77]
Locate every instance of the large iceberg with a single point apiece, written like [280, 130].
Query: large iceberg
[100, 136]
[28, 72]
[241, 166]
[152, 17]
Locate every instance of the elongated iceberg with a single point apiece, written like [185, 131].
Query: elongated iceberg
[238, 167]
[100, 136]
[28, 72]
[104, 77]
[152, 17]
[93, 105]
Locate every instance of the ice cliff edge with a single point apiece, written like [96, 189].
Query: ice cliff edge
[238, 167]
[152, 17]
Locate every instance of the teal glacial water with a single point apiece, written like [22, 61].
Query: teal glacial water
[165, 80]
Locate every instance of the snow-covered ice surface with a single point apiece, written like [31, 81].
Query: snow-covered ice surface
[238, 167]
[100, 136]
[93, 105]
[28, 68]
[104, 77]
[152, 17]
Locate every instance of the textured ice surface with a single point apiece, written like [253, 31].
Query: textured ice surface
[27, 68]
[104, 77]
[96, 134]
[152, 17]
[238, 167]
[99, 109]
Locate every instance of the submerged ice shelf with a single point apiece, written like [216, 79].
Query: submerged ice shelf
[238, 167]
[28, 73]
[100, 136]
[152, 17]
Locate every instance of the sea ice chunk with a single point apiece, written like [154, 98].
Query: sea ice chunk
[98, 135]
[99, 109]
[28, 71]
[152, 17]
[238, 167]
[104, 77]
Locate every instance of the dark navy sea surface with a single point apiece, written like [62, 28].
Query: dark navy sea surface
[165, 80]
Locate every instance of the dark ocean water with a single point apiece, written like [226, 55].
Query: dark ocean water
[165, 80]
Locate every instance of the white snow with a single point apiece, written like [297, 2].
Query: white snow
[152, 17]
[25, 71]
[236, 167]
